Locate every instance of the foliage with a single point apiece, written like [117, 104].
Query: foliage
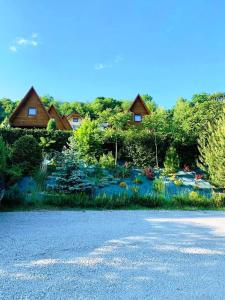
[4, 152]
[6, 108]
[51, 125]
[212, 151]
[107, 160]
[192, 199]
[87, 141]
[123, 184]
[70, 176]
[139, 147]
[171, 162]
[178, 182]
[26, 153]
[10, 135]
[137, 180]
[157, 123]
[159, 185]
[121, 171]
[46, 143]
[9, 173]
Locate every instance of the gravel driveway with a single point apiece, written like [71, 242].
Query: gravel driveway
[112, 255]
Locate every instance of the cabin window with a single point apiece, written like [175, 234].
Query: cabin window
[137, 118]
[75, 120]
[32, 111]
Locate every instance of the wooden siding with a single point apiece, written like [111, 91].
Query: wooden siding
[73, 115]
[138, 107]
[55, 115]
[20, 117]
[66, 123]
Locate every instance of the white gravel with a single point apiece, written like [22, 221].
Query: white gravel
[112, 255]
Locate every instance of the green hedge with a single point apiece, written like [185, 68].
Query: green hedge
[10, 135]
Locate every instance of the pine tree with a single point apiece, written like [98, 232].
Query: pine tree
[172, 162]
[212, 151]
[70, 175]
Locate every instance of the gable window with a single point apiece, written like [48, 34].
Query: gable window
[137, 118]
[32, 111]
[75, 120]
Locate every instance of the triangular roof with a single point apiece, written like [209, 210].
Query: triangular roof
[24, 101]
[55, 115]
[66, 123]
[139, 99]
[73, 113]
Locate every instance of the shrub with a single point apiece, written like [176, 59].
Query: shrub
[70, 175]
[171, 162]
[3, 155]
[121, 171]
[178, 182]
[26, 153]
[137, 180]
[218, 199]
[159, 185]
[51, 125]
[123, 184]
[107, 161]
[192, 199]
[12, 197]
[10, 135]
[87, 141]
[150, 201]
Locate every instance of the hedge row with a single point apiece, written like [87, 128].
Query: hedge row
[10, 135]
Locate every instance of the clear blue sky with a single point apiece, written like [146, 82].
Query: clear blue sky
[78, 50]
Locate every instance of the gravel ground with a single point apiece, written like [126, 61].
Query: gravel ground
[112, 255]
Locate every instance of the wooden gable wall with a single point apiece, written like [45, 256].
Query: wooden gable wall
[20, 117]
[55, 115]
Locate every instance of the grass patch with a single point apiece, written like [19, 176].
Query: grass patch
[14, 200]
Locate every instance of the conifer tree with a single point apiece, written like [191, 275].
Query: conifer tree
[212, 151]
[172, 161]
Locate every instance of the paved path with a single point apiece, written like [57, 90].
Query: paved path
[112, 255]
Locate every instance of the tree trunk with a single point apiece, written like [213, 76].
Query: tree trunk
[116, 152]
[156, 152]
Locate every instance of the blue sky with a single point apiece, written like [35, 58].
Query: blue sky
[78, 50]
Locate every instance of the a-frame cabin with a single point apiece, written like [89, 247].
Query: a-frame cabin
[55, 115]
[138, 109]
[66, 123]
[30, 113]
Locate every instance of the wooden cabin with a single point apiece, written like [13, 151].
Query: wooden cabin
[31, 113]
[138, 109]
[55, 115]
[74, 119]
[66, 123]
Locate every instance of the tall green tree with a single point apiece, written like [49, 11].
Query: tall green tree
[157, 124]
[117, 123]
[211, 147]
[87, 141]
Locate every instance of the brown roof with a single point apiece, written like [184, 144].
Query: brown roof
[139, 98]
[55, 115]
[23, 102]
[66, 123]
[73, 114]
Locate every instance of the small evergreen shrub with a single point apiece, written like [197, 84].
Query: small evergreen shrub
[70, 175]
[51, 125]
[171, 163]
